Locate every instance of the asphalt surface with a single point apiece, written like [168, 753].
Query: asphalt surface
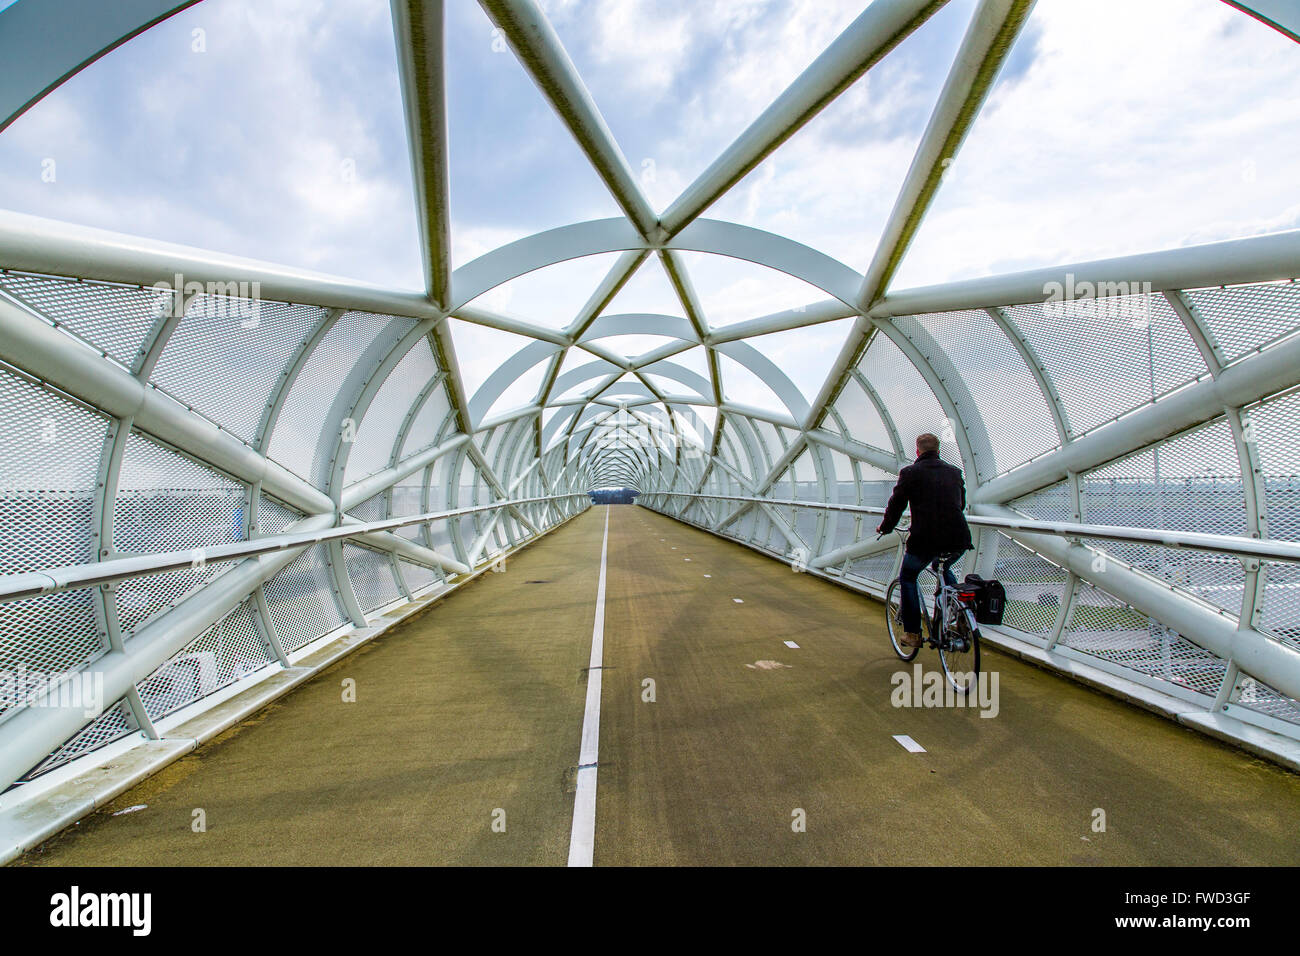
[461, 747]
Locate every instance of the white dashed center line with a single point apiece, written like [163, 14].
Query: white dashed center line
[908, 744]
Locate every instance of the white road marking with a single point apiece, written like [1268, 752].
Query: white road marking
[792, 644]
[910, 745]
[582, 838]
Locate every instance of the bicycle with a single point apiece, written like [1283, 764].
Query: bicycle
[953, 621]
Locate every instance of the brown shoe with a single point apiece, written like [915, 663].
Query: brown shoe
[912, 640]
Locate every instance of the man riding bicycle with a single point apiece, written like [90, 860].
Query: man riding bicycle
[936, 494]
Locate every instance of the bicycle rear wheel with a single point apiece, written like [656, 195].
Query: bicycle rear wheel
[894, 621]
[959, 652]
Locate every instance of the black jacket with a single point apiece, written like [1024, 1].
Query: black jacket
[937, 495]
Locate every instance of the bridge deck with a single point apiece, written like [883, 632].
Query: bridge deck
[478, 706]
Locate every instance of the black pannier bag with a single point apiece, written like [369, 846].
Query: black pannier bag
[990, 599]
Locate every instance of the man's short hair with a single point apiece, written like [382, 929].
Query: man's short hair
[927, 442]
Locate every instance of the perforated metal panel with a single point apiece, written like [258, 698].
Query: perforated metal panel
[1257, 696]
[1274, 428]
[373, 448]
[1102, 626]
[115, 319]
[226, 357]
[372, 509]
[862, 421]
[371, 575]
[1246, 318]
[1108, 356]
[877, 569]
[1012, 409]
[1189, 483]
[230, 650]
[417, 576]
[166, 502]
[49, 462]
[298, 434]
[906, 397]
[1035, 587]
[301, 600]
[1051, 504]
[275, 517]
[46, 635]
[113, 724]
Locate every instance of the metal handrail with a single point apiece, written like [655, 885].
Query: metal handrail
[26, 584]
[1258, 548]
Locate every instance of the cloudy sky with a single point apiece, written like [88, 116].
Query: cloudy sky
[1117, 127]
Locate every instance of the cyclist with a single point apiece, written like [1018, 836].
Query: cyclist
[936, 493]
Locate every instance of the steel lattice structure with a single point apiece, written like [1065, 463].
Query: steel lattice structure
[193, 535]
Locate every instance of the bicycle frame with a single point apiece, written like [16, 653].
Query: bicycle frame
[948, 603]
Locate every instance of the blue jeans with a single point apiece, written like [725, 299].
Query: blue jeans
[910, 596]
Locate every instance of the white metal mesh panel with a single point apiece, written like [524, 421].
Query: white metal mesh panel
[1274, 427]
[743, 527]
[374, 508]
[274, 517]
[49, 462]
[1108, 356]
[876, 568]
[862, 421]
[165, 502]
[1011, 406]
[1050, 504]
[1035, 587]
[114, 318]
[426, 429]
[301, 600]
[1105, 627]
[1258, 696]
[113, 724]
[226, 356]
[227, 651]
[371, 575]
[377, 433]
[49, 634]
[905, 395]
[1246, 318]
[295, 441]
[417, 576]
[771, 445]
[48, 471]
[1190, 483]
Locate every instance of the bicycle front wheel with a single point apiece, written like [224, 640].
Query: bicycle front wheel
[960, 653]
[894, 622]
